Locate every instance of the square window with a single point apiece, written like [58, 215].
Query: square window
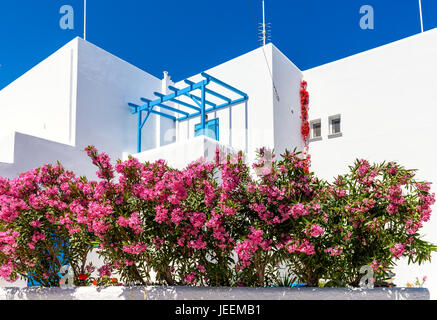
[316, 129]
[335, 126]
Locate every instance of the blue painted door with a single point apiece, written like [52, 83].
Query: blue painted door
[211, 129]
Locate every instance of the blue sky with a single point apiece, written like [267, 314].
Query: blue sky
[185, 37]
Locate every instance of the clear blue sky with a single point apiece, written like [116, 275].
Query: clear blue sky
[185, 37]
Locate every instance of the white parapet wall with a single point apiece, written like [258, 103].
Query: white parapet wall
[212, 293]
[179, 154]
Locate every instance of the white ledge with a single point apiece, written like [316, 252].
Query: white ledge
[211, 293]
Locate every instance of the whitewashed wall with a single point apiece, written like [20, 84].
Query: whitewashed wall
[41, 102]
[105, 86]
[76, 97]
[286, 102]
[179, 154]
[387, 98]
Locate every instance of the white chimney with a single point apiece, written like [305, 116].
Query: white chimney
[166, 81]
[162, 128]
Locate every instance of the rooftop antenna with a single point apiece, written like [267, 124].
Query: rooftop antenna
[421, 17]
[264, 25]
[84, 20]
[265, 29]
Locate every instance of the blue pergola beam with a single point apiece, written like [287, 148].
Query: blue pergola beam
[227, 86]
[222, 106]
[141, 124]
[135, 106]
[199, 99]
[216, 94]
[159, 95]
[182, 102]
[167, 107]
[178, 93]
[145, 119]
[148, 107]
[163, 115]
[139, 131]
[145, 108]
[185, 91]
[202, 110]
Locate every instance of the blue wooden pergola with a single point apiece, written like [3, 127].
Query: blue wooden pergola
[198, 109]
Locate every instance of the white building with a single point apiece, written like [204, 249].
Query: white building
[376, 105]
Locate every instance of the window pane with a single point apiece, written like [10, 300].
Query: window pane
[335, 125]
[317, 130]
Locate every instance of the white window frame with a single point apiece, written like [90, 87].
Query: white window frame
[312, 122]
[330, 120]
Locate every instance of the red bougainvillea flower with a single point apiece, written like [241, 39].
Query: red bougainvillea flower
[114, 280]
[95, 282]
[304, 95]
[82, 276]
[305, 126]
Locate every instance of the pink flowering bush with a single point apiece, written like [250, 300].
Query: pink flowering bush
[375, 213]
[212, 223]
[179, 224]
[40, 228]
[284, 215]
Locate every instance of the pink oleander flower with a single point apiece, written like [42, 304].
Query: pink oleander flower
[363, 168]
[6, 271]
[36, 223]
[189, 278]
[197, 219]
[197, 244]
[135, 248]
[397, 250]
[305, 247]
[201, 268]
[37, 236]
[334, 251]
[102, 160]
[392, 171]
[298, 210]
[375, 265]
[135, 223]
[316, 230]
[161, 214]
[256, 235]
